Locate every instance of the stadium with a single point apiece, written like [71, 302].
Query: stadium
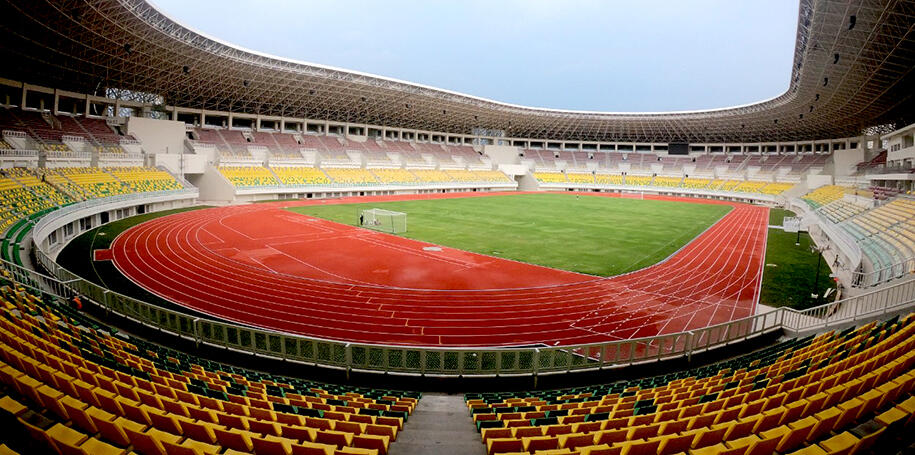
[211, 250]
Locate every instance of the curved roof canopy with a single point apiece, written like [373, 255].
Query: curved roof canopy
[848, 74]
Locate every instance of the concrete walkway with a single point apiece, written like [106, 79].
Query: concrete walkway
[440, 425]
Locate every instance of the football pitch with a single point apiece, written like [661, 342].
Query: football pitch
[595, 235]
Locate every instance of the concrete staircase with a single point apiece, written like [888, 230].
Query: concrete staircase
[440, 425]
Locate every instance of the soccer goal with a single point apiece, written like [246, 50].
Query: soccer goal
[384, 220]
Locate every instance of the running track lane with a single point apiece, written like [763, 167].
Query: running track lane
[266, 267]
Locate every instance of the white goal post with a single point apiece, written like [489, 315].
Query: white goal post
[383, 220]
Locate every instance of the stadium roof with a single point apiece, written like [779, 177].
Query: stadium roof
[852, 70]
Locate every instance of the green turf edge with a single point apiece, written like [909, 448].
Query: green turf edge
[791, 282]
[77, 258]
[594, 235]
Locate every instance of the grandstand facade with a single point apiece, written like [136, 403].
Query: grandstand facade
[111, 109]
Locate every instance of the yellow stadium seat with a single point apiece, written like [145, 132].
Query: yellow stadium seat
[841, 443]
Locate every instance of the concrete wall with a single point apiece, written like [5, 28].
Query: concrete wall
[193, 164]
[213, 186]
[816, 181]
[847, 160]
[157, 136]
[502, 154]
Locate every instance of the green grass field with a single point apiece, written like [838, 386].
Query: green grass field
[790, 272]
[588, 234]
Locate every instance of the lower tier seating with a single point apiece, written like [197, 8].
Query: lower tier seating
[248, 176]
[23, 195]
[394, 176]
[80, 389]
[353, 176]
[294, 175]
[836, 391]
[145, 179]
[824, 195]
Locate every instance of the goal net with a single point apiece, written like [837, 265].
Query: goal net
[384, 220]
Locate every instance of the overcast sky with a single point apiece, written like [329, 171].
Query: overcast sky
[611, 55]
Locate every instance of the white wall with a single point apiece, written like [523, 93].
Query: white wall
[213, 186]
[816, 181]
[193, 164]
[847, 160]
[158, 136]
[502, 154]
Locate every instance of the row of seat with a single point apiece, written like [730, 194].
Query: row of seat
[886, 234]
[94, 182]
[162, 408]
[254, 176]
[825, 195]
[663, 181]
[23, 195]
[794, 407]
[840, 210]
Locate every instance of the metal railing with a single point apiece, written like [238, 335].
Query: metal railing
[469, 361]
[19, 153]
[449, 361]
[885, 274]
[853, 249]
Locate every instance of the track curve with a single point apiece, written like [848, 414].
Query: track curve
[266, 267]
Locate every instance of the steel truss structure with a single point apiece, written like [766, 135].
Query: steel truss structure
[852, 70]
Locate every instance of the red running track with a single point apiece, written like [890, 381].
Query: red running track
[266, 267]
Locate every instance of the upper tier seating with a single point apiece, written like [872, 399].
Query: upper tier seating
[786, 397]
[99, 130]
[236, 144]
[295, 175]
[49, 130]
[281, 145]
[878, 161]
[408, 153]
[465, 152]
[98, 393]
[332, 148]
[373, 150]
[248, 176]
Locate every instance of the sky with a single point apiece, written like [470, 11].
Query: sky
[597, 55]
